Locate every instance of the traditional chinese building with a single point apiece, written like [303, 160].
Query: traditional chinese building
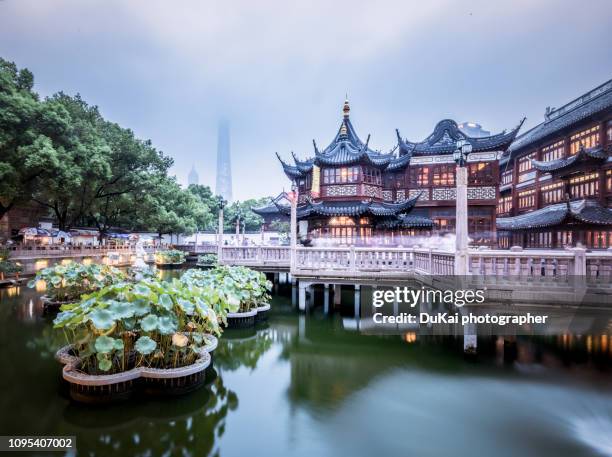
[353, 194]
[556, 179]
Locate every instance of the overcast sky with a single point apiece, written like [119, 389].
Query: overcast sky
[279, 70]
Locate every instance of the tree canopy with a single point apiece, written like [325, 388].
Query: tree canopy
[61, 153]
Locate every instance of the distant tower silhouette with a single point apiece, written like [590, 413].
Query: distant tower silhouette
[224, 165]
[193, 177]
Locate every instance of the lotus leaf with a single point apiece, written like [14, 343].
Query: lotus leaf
[167, 325]
[145, 345]
[105, 344]
[102, 319]
[150, 323]
[121, 310]
[104, 364]
[165, 301]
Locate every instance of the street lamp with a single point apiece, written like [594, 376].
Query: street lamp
[462, 150]
[220, 204]
[293, 198]
[238, 218]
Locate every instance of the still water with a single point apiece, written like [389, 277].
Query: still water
[309, 386]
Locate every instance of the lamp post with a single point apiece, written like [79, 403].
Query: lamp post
[238, 217]
[221, 203]
[293, 198]
[463, 149]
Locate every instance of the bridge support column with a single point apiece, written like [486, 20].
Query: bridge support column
[294, 292]
[326, 298]
[302, 296]
[357, 300]
[470, 344]
[337, 294]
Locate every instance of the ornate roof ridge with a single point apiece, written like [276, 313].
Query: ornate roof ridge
[445, 135]
[590, 103]
[595, 152]
[585, 210]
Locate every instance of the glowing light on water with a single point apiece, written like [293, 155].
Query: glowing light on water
[596, 432]
[410, 337]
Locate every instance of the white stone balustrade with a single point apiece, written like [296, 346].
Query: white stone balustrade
[65, 252]
[558, 265]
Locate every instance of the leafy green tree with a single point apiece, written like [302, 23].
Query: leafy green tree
[243, 211]
[26, 151]
[207, 220]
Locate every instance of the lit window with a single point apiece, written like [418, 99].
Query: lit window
[587, 138]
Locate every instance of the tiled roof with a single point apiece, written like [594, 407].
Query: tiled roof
[593, 102]
[352, 208]
[444, 138]
[406, 221]
[586, 211]
[597, 153]
[345, 149]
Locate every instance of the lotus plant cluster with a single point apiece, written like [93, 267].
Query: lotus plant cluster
[67, 282]
[8, 266]
[237, 289]
[207, 259]
[150, 323]
[169, 257]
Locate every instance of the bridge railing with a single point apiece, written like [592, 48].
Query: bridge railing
[499, 264]
[255, 255]
[36, 252]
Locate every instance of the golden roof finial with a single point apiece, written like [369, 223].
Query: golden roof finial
[346, 109]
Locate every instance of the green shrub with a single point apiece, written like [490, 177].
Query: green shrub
[171, 256]
[207, 259]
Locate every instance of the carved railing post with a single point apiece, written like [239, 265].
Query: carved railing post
[579, 262]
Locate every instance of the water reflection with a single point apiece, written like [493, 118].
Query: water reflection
[183, 426]
[302, 385]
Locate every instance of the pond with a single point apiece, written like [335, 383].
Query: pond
[307, 385]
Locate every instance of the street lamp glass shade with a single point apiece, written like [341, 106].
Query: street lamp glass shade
[457, 155]
[467, 148]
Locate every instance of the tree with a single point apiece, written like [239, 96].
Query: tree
[169, 209]
[207, 221]
[26, 152]
[251, 220]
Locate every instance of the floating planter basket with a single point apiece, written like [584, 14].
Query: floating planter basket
[241, 320]
[88, 388]
[262, 312]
